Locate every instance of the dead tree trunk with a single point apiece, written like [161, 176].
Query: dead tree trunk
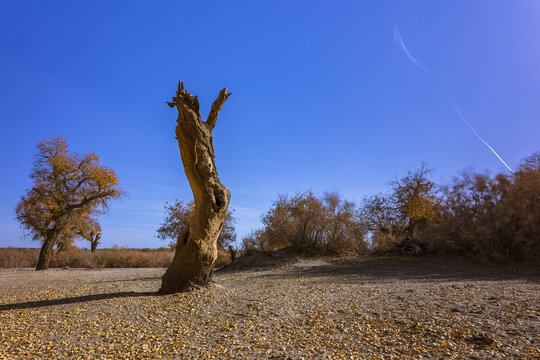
[196, 249]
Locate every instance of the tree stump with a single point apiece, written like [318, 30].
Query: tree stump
[196, 249]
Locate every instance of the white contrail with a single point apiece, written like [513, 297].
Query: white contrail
[478, 136]
[399, 40]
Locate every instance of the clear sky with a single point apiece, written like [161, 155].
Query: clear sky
[324, 96]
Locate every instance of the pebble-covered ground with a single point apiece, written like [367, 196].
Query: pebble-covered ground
[305, 308]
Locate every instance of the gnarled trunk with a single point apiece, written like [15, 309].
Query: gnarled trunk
[46, 250]
[196, 249]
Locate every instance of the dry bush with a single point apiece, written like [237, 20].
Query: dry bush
[494, 217]
[18, 257]
[309, 222]
[114, 258]
[518, 215]
[102, 258]
[82, 258]
[254, 241]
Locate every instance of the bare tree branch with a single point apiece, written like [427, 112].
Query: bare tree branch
[216, 108]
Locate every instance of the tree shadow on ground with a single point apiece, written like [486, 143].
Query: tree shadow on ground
[150, 278]
[418, 269]
[74, 300]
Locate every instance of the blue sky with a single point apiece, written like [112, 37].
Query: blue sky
[323, 98]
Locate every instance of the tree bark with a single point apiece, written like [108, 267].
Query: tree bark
[196, 249]
[46, 251]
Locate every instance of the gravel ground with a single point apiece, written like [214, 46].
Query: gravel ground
[301, 308]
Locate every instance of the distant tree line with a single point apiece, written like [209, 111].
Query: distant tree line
[495, 217]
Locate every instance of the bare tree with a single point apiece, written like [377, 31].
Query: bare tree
[196, 249]
[66, 188]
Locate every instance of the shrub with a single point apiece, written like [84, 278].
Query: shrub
[18, 257]
[82, 258]
[307, 221]
[102, 258]
[494, 217]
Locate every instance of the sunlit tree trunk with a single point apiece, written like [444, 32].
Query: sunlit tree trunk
[196, 249]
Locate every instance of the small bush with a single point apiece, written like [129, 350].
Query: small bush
[309, 222]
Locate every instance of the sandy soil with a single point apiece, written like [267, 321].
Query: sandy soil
[288, 307]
